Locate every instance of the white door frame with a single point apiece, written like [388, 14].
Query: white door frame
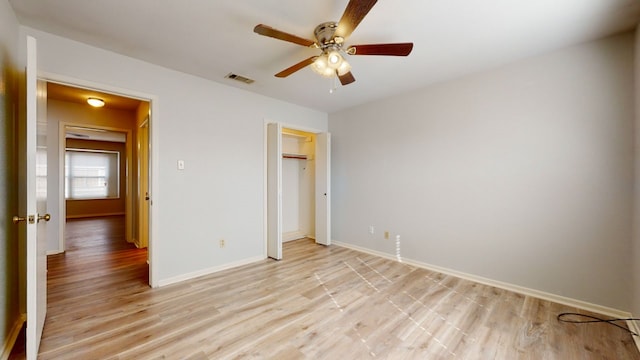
[266, 208]
[154, 141]
[323, 188]
[274, 191]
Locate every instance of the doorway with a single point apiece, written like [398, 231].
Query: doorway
[93, 133]
[297, 186]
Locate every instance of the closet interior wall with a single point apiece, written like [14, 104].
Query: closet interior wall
[298, 185]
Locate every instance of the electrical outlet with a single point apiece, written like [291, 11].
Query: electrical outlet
[222, 243]
[372, 230]
[386, 235]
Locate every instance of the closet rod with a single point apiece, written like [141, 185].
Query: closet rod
[294, 156]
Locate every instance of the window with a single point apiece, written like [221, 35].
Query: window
[92, 174]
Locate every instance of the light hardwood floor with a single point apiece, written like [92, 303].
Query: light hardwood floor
[317, 303]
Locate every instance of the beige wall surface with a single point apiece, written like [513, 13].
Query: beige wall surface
[217, 130]
[522, 174]
[59, 115]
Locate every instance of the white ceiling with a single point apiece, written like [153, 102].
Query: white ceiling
[210, 38]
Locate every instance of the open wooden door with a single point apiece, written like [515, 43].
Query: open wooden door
[33, 200]
[323, 188]
[274, 191]
[143, 184]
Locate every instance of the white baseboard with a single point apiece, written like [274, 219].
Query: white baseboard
[54, 252]
[293, 235]
[13, 336]
[203, 272]
[599, 309]
[633, 326]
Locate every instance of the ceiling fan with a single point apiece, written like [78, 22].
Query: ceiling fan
[330, 37]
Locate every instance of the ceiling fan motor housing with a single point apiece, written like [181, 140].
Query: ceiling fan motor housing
[324, 34]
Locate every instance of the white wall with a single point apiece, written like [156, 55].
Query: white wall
[307, 193]
[523, 174]
[290, 186]
[219, 133]
[9, 295]
[298, 188]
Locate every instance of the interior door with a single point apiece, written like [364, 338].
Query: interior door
[143, 173]
[274, 191]
[323, 188]
[35, 201]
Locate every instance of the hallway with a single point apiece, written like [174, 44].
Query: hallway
[97, 264]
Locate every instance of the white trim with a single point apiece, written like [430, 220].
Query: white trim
[310, 130]
[13, 336]
[154, 138]
[599, 309]
[209, 271]
[54, 252]
[92, 85]
[267, 121]
[265, 207]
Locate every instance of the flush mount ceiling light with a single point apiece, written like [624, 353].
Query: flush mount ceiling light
[95, 102]
[330, 36]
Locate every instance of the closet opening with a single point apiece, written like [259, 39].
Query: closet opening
[298, 185]
[298, 200]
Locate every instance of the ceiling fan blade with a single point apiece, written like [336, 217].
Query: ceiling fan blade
[281, 35]
[354, 13]
[346, 79]
[290, 70]
[396, 49]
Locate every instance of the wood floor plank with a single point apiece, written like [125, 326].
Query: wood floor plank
[318, 302]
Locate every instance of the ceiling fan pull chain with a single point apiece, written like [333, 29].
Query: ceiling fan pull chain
[334, 84]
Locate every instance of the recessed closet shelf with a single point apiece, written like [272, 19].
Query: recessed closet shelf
[306, 138]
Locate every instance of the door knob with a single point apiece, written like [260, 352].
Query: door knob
[18, 219]
[45, 217]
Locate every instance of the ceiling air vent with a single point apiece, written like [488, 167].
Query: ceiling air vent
[240, 78]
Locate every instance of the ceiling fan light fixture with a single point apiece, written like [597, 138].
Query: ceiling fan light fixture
[330, 63]
[343, 68]
[334, 59]
[321, 66]
[95, 102]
